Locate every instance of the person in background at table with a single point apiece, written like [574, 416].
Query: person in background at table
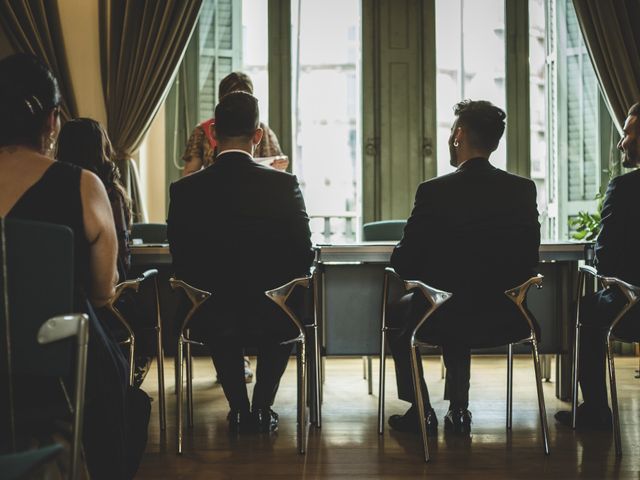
[84, 142]
[33, 186]
[617, 255]
[474, 233]
[237, 229]
[201, 148]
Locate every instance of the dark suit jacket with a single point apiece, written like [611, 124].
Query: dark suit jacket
[475, 233]
[238, 228]
[617, 253]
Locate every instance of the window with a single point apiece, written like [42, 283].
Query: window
[470, 62]
[575, 122]
[327, 114]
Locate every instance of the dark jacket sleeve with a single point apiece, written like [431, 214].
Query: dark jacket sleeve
[609, 241]
[301, 250]
[176, 232]
[532, 226]
[409, 255]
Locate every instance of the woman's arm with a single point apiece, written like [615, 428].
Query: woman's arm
[101, 234]
[193, 155]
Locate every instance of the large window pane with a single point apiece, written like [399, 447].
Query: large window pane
[540, 173]
[470, 58]
[326, 114]
[255, 50]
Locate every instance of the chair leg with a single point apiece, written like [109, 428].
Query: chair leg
[189, 362]
[78, 413]
[161, 396]
[381, 381]
[369, 375]
[317, 376]
[510, 387]
[364, 367]
[541, 405]
[442, 368]
[575, 376]
[179, 357]
[302, 400]
[132, 353]
[415, 358]
[614, 397]
[546, 367]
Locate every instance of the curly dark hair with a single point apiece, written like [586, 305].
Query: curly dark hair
[85, 143]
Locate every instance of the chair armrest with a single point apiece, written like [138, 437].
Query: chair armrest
[147, 274]
[64, 326]
[280, 295]
[518, 294]
[589, 270]
[196, 296]
[630, 291]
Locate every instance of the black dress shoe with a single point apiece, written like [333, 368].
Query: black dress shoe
[266, 420]
[241, 421]
[409, 422]
[458, 420]
[587, 418]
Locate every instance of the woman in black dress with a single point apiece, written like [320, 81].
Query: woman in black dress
[35, 187]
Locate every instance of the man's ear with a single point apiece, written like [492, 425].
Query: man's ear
[257, 136]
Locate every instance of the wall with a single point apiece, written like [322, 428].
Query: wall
[81, 37]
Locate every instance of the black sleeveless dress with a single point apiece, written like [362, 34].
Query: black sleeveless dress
[55, 198]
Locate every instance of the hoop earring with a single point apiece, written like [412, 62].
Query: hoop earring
[456, 143]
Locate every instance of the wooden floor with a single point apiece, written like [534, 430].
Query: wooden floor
[348, 445]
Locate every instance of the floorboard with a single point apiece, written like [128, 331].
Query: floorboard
[348, 445]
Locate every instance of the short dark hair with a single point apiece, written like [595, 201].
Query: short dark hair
[234, 82]
[483, 122]
[634, 111]
[28, 93]
[237, 115]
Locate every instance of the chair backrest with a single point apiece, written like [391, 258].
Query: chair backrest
[149, 232]
[37, 284]
[384, 230]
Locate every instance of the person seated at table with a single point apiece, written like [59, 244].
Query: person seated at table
[616, 256]
[475, 233]
[236, 229]
[202, 149]
[33, 186]
[85, 143]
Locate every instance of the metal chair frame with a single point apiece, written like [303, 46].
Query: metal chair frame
[131, 338]
[280, 296]
[632, 293]
[58, 328]
[197, 297]
[436, 299]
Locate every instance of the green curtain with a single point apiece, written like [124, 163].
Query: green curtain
[33, 26]
[141, 46]
[611, 33]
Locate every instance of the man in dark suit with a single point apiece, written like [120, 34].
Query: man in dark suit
[236, 229]
[474, 233]
[617, 255]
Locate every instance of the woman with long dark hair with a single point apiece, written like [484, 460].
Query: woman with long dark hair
[84, 142]
[33, 186]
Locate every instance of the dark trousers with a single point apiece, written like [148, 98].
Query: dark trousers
[253, 321]
[597, 311]
[402, 317]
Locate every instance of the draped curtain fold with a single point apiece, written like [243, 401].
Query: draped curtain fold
[33, 26]
[141, 46]
[611, 33]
